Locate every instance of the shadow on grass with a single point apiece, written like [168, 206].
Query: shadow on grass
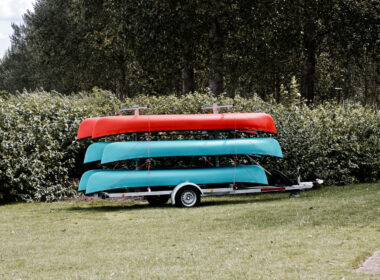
[116, 207]
[133, 206]
[245, 200]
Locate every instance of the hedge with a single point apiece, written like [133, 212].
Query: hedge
[40, 160]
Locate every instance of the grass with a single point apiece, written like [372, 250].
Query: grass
[324, 234]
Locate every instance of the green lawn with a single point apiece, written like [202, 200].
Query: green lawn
[324, 234]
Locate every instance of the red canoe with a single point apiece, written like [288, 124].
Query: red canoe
[99, 127]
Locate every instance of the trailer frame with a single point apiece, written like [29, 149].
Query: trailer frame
[205, 191]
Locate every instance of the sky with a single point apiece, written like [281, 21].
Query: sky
[11, 11]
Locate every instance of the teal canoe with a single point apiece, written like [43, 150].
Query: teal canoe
[106, 180]
[115, 151]
[94, 152]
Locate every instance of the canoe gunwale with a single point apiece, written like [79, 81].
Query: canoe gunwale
[219, 155]
[253, 131]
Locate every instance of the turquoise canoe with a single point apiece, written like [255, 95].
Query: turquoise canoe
[105, 180]
[94, 152]
[114, 151]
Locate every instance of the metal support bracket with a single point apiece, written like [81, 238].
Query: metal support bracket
[215, 107]
[135, 108]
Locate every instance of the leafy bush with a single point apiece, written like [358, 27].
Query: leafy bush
[41, 160]
[4, 94]
[340, 145]
[38, 149]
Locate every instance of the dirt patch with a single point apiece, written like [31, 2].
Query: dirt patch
[371, 265]
[126, 199]
[118, 199]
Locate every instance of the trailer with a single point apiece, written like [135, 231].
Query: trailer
[184, 187]
[188, 194]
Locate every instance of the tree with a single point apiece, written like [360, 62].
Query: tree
[160, 47]
[17, 66]
[332, 27]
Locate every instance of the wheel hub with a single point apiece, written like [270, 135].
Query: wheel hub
[188, 198]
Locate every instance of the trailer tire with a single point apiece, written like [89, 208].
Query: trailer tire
[158, 200]
[187, 196]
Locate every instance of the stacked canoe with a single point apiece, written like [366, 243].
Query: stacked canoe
[104, 180]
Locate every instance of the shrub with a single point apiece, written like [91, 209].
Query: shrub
[41, 160]
[340, 145]
[38, 152]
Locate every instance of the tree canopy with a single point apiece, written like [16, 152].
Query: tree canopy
[235, 46]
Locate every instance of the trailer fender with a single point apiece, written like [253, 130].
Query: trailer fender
[178, 187]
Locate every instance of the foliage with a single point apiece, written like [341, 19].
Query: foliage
[38, 153]
[338, 144]
[161, 47]
[4, 94]
[39, 157]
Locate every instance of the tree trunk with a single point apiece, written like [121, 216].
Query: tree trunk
[308, 72]
[277, 87]
[307, 82]
[365, 92]
[121, 83]
[187, 72]
[233, 80]
[187, 79]
[217, 65]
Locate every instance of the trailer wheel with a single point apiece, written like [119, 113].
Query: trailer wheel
[188, 197]
[157, 200]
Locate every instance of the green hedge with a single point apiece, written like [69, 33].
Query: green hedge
[40, 159]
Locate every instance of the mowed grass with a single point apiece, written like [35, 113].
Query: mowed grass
[325, 234]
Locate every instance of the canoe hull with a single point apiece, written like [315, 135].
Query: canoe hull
[105, 126]
[116, 151]
[95, 151]
[107, 180]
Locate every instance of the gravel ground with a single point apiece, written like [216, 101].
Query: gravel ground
[371, 265]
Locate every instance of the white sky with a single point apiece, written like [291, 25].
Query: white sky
[11, 11]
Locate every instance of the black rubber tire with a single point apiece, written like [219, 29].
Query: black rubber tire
[278, 178]
[187, 196]
[157, 200]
